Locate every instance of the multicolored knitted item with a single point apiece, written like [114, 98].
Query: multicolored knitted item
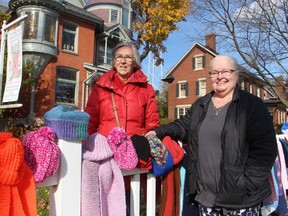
[42, 154]
[160, 171]
[158, 150]
[124, 152]
[67, 122]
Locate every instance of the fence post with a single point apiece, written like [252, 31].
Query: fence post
[65, 198]
[151, 195]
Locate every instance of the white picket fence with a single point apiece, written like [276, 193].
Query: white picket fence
[65, 185]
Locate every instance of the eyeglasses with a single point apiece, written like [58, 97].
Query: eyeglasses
[225, 73]
[127, 58]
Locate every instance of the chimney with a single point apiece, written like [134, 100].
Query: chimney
[211, 41]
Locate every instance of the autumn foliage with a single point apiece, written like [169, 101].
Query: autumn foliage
[154, 20]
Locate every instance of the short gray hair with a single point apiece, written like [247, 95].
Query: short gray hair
[134, 47]
[233, 60]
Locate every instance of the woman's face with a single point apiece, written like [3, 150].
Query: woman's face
[225, 82]
[124, 62]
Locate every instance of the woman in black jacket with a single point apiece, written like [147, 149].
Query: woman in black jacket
[231, 145]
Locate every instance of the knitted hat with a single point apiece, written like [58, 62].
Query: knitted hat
[160, 171]
[17, 187]
[176, 150]
[124, 152]
[145, 165]
[141, 146]
[41, 153]
[67, 122]
[162, 160]
[158, 151]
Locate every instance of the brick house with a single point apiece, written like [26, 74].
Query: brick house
[189, 79]
[80, 45]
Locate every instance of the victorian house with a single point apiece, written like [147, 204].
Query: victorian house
[65, 42]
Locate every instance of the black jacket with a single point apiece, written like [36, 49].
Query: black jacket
[248, 143]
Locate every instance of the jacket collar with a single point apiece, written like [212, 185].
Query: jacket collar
[106, 80]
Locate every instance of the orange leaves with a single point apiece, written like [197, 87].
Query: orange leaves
[154, 20]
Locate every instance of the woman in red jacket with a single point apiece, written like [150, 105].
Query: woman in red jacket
[134, 98]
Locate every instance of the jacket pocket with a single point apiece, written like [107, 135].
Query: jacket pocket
[232, 188]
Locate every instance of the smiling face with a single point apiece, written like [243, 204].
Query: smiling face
[124, 66]
[224, 85]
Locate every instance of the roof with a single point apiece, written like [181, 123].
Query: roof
[190, 50]
[244, 71]
[64, 8]
[81, 13]
[119, 31]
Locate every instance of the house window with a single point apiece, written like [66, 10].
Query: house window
[251, 89]
[102, 54]
[31, 25]
[181, 110]
[70, 37]
[66, 86]
[198, 62]
[242, 85]
[201, 87]
[182, 89]
[126, 14]
[114, 16]
[258, 92]
[50, 27]
[265, 95]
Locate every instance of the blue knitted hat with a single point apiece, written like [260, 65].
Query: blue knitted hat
[162, 160]
[160, 171]
[67, 122]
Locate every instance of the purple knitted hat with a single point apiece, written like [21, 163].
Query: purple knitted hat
[124, 152]
[42, 155]
[67, 122]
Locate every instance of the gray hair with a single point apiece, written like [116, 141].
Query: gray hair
[233, 60]
[134, 47]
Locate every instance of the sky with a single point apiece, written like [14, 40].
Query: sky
[177, 45]
[4, 1]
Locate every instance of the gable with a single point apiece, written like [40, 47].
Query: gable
[196, 48]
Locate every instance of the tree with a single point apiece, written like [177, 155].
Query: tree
[162, 102]
[154, 20]
[257, 30]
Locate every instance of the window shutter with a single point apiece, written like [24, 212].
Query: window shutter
[175, 113]
[197, 87]
[193, 63]
[186, 89]
[177, 90]
[203, 61]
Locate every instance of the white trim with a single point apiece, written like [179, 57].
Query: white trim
[183, 105]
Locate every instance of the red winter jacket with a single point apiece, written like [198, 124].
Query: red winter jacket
[136, 105]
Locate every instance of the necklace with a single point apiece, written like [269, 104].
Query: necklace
[217, 110]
